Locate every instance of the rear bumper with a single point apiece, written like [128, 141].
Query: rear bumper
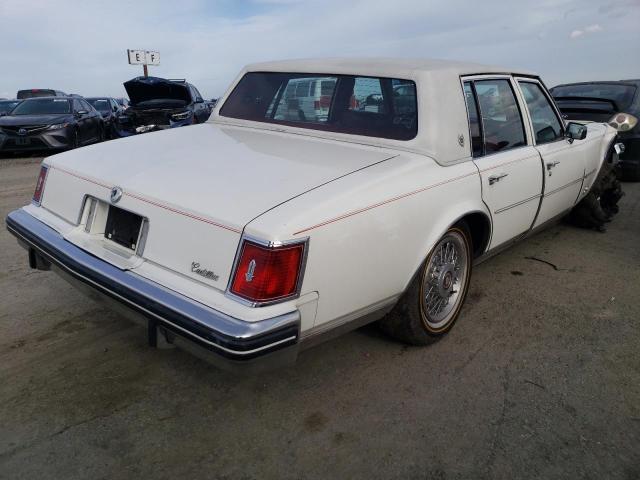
[231, 342]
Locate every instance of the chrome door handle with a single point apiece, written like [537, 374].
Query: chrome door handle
[550, 165]
[496, 178]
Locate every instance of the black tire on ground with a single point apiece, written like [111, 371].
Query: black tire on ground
[409, 321]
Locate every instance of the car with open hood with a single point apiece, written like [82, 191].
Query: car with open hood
[50, 123]
[614, 102]
[157, 104]
[264, 230]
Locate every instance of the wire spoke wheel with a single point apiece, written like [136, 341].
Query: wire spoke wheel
[445, 279]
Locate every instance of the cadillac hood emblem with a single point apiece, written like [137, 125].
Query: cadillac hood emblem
[116, 194]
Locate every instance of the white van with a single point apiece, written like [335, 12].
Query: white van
[307, 99]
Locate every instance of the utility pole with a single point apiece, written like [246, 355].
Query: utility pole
[145, 70]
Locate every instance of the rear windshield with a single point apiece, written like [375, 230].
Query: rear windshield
[35, 93]
[622, 95]
[370, 106]
[42, 106]
[100, 104]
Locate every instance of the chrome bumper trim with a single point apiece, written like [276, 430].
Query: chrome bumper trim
[227, 336]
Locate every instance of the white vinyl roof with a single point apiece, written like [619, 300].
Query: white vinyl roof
[387, 67]
[443, 129]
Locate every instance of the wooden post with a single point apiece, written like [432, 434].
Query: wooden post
[144, 68]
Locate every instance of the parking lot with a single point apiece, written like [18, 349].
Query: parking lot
[540, 378]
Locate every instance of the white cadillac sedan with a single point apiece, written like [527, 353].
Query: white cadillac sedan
[321, 195]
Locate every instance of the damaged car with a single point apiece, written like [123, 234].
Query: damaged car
[157, 104]
[614, 102]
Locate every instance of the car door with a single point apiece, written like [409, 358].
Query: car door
[82, 119]
[94, 121]
[510, 167]
[201, 112]
[564, 162]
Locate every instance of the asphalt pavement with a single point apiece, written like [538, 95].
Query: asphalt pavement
[540, 379]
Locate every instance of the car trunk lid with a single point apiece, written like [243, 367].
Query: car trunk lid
[199, 186]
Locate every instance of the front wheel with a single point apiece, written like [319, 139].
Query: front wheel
[432, 303]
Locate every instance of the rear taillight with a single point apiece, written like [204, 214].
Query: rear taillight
[37, 194]
[267, 274]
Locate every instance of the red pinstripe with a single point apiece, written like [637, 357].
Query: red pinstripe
[384, 202]
[151, 202]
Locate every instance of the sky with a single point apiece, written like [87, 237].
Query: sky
[79, 46]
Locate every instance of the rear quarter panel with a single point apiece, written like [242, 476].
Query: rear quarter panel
[371, 230]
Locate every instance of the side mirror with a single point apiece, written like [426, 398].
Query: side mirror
[199, 100]
[575, 131]
[81, 112]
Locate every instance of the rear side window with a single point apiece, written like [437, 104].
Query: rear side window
[501, 119]
[369, 106]
[474, 120]
[546, 125]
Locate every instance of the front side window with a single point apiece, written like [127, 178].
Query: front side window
[86, 105]
[546, 125]
[501, 119]
[369, 106]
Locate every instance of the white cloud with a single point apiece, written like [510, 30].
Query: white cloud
[595, 28]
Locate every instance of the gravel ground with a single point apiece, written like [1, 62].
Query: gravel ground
[540, 378]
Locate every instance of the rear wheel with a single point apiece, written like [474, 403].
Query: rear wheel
[433, 301]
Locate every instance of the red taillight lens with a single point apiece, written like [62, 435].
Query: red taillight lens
[265, 274]
[37, 194]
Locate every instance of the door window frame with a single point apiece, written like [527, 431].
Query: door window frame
[517, 94]
[554, 107]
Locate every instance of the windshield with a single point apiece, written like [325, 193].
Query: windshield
[100, 104]
[42, 106]
[6, 107]
[621, 94]
[370, 106]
